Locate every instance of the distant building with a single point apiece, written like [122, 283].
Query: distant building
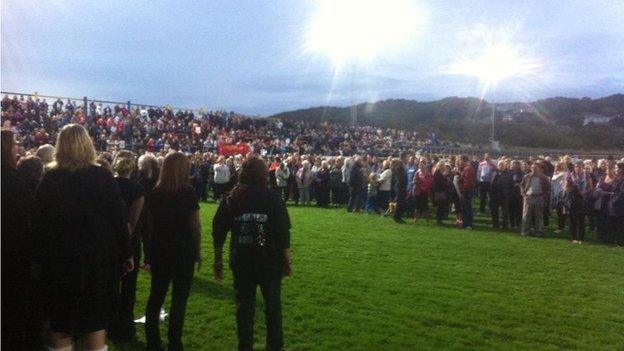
[596, 119]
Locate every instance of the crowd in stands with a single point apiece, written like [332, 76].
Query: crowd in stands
[177, 163]
[160, 129]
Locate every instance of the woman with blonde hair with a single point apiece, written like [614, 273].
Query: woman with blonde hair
[83, 241]
[173, 247]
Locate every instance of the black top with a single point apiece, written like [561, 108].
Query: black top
[260, 233]
[17, 240]
[130, 190]
[82, 231]
[171, 239]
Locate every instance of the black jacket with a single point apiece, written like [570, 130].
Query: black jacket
[260, 230]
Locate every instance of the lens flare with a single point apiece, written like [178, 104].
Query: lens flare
[358, 30]
[499, 60]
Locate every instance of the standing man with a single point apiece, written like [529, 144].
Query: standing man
[467, 186]
[485, 174]
[534, 188]
[221, 178]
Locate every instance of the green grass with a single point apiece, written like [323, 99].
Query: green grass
[365, 283]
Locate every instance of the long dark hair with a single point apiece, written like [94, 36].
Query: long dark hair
[254, 173]
[8, 142]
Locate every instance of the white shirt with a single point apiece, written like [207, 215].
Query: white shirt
[221, 173]
[385, 180]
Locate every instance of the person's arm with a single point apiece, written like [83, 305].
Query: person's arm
[221, 224]
[116, 211]
[196, 234]
[135, 212]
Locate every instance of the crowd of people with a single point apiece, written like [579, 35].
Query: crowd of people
[162, 129]
[96, 216]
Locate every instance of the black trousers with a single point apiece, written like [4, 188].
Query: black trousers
[515, 210]
[401, 204]
[577, 226]
[246, 279]
[219, 189]
[122, 327]
[484, 193]
[180, 278]
[561, 217]
[355, 199]
[497, 205]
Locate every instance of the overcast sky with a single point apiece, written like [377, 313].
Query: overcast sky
[250, 56]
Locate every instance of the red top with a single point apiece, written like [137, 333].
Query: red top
[424, 181]
[468, 179]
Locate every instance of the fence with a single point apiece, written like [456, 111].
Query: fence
[86, 102]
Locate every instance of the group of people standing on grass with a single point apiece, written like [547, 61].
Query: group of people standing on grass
[519, 194]
[71, 249]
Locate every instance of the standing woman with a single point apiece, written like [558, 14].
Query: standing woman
[84, 242]
[259, 250]
[173, 247]
[133, 194]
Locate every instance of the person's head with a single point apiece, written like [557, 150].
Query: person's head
[526, 166]
[386, 164]
[578, 167]
[610, 170]
[46, 153]
[254, 173]
[30, 167]
[422, 166]
[9, 150]
[502, 165]
[486, 156]
[148, 166]
[441, 167]
[464, 160]
[619, 169]
[74, 149]
[174, 174]
[536, 168]
[561, 166]
[123, 166]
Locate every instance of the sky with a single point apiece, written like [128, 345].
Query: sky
[255, 57]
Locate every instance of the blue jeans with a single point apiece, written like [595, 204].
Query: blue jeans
[466, 207]
[371, 204]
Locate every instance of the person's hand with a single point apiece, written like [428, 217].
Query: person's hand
[128, 265]
[218, 271]
[146, 267]
[198, 260]
[288, 271]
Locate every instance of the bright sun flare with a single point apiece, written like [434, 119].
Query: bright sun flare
[497, 62]
[350, 30]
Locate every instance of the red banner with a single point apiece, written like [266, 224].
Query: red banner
[233, 149]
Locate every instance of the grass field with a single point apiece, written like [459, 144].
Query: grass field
[365, 283]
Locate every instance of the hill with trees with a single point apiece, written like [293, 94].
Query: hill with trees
[549, 123]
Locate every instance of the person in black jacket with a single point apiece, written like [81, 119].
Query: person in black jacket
[500, 194]
[83, 241]
[133, 194]
[17, 255]
[399, 181]
[440, 189]
[356, 184]
[173, 248]
[259, 250]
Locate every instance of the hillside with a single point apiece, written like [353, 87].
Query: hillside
[548, 123]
